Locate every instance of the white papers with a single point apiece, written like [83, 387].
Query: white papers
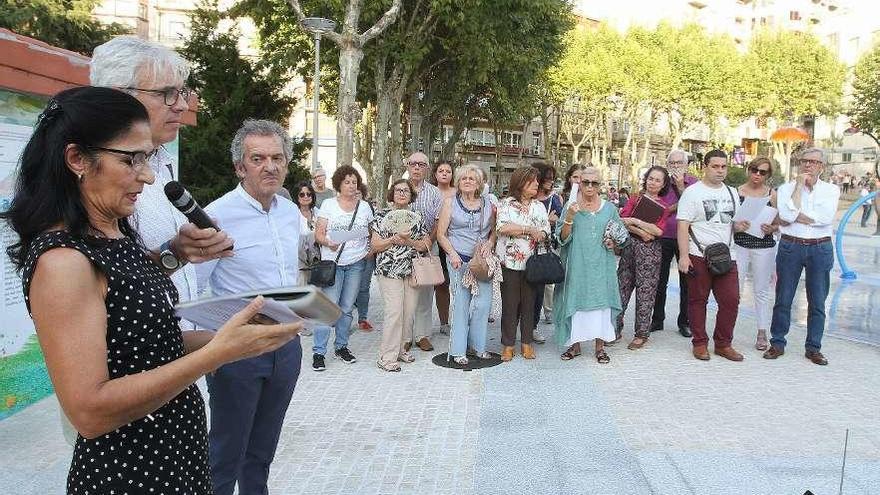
[750, 208]
[340, 236]
[766, 215]
[215, 315]
[574, 192]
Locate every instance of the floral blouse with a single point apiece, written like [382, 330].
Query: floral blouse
[396, 261]
[514, 251]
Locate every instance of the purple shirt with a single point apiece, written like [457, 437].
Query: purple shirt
[670, 229]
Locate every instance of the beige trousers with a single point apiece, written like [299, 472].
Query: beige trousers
[400, 304]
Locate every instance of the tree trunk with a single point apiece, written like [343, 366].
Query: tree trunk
[350, 56]
[545, 136]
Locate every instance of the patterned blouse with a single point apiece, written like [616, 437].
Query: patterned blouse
[514, 251]
[396, 261]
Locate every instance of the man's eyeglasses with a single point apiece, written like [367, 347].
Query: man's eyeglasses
[171, 95]
[590, 183]
[418, 164]
[677, 162]
[809, 161]
[762, 172]
[136, 159]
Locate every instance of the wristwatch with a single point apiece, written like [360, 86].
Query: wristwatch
[168, 259]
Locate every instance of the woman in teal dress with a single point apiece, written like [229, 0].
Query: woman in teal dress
[589, 299]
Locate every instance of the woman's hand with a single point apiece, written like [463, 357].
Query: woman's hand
[609, 243]
[240, 339]
[768, 228]
[537, 234]
[455, 260]
[332, 246]
[401, 240]
[486, 250]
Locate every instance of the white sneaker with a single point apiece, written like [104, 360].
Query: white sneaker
[548, 318]
[538, 337]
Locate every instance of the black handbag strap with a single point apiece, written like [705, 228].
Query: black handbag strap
[691, 230]
[350, 225]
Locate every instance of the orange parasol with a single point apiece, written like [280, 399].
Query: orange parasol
[789, 135]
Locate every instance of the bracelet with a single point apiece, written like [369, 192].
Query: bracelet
[567, 222]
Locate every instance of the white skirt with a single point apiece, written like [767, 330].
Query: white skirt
[589, 325]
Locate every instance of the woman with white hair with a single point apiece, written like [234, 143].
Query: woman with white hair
[466, 224]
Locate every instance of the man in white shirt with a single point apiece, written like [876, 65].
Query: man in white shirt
[249, 398]
[155, 75]
[428, 202]
[807, 206]
[705, 213]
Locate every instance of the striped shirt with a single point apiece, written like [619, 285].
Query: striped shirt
[428, 202]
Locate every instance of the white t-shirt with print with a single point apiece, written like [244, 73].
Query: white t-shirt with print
[710, 212]
[338, 220]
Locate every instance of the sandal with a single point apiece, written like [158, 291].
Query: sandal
[392, 367]
[406, 357]
[602, 357]
[570, 354]
[461, 360]
[761, 342]
[637, 343]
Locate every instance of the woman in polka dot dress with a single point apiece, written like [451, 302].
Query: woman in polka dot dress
[103, 308]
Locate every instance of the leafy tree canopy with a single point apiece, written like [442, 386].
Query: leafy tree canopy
[63, 23]
[865, 106]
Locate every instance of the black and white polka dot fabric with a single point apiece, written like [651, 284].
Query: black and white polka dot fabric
[167, 451]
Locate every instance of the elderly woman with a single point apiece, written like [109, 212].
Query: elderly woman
[395, 249]
[345, 212]
[639, 267]
[465, 225]
[522, 224]
[587, 302]
[756, 256]
[103, 308]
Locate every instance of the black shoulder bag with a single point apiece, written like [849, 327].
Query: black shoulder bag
[543, 268]
[323, 273]
[717, 255]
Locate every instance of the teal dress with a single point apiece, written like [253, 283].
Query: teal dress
[590, 270]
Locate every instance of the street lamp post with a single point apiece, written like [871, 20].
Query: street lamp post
[317, 26]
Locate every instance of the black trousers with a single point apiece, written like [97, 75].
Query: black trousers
[669, 248]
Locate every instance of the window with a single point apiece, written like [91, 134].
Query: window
[536, 143]
[511, 138]
[142, 11]
[794, 15]
[847, 157]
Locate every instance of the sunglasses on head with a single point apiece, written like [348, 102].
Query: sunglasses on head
[591, 183]
[762, 172]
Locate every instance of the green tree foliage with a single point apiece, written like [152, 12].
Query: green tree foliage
[865, 106]
[63, 23]
[789, 74]
[231, 89]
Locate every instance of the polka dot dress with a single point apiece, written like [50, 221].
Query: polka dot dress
[167, 451]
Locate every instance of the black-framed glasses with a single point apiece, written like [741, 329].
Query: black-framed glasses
[591, 183]
[419, 164]
[401, 190]
[136, 159]
[809, 161]
[762, 172]
[171, 95]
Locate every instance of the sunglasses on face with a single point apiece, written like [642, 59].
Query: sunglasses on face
[305, 195]
[762, 172]
[590, 183]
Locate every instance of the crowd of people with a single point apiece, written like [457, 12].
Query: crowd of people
[104, 257]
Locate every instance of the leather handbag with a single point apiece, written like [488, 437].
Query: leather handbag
[543, 268]
[478, 265]
[427, 271]
[717, 254]
[323, 273]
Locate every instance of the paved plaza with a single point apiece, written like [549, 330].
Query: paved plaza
[653, 421]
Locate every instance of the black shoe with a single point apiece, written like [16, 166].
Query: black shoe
[685, 331]
[656, 328]
[345, 355]
[318, 362]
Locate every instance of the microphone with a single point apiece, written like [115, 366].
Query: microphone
[183, 201]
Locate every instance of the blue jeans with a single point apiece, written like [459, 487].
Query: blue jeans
[343, 292]
[363, 298]
[248, 400]
[792, 259]
[469, 325]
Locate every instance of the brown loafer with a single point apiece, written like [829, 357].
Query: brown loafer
[507, 353]
[816, 357]
[728, 353]
[528, 352]
[773, 352]
[701, 352]
[425, 344]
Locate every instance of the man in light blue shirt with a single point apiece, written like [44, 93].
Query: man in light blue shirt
[249, 398]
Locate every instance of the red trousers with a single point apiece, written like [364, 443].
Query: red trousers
[725, 288]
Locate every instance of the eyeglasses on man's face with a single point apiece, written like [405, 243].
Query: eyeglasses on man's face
[171, 95]
[676, 163]
[762, 171]
[136, 159]
[418, 164]
[809, 162]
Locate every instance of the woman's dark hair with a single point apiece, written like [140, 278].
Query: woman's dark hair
[566, 186]
[412, 191]
[341, 173]
[713, 154]
[520, 178]
[433, 178]
[298, 188]
[545, 173]
[46, 191]
[657, 168]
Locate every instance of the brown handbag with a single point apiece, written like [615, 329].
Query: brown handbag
[426, 272]
[478, 265]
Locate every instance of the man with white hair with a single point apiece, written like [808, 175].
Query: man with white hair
[679, 179]
[428, 201]
[807, 206]
[155, 76]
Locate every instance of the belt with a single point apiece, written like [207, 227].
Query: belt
[805, 242]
